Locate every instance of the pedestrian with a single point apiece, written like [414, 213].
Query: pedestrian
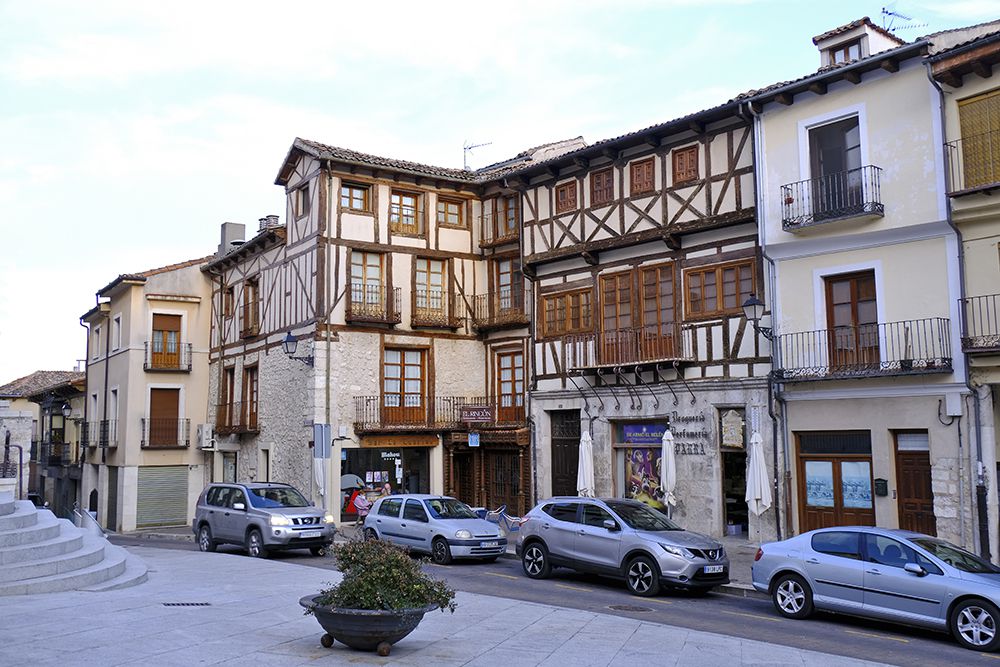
[361, 506]
[387, 489]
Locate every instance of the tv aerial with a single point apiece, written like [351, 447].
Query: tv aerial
[466, 149]
[890, 16]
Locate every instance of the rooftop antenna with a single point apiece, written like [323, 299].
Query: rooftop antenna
[889, 16]
[466, 149]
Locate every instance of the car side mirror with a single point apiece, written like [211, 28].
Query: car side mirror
[610, 525]
[913, 568]
[239, 506]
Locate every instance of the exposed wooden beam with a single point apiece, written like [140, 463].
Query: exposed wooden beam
[784, 98]
[609, 154]
[818, 87]
[589, 257]
[528, 270]
[951, 79]
[552, 171]
[672, 241]
[696, 126]
[651, 139]
[581, 162]
[757, 107]
[890, 65]
[982, 69]
[853, 77]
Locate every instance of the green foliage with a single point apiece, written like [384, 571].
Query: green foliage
[380, 575]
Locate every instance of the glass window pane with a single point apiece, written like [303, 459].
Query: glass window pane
[819, 483]
[856, 483]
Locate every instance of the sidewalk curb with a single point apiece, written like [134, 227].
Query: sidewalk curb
[143, 535]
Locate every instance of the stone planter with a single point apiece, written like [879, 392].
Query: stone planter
[364, 629]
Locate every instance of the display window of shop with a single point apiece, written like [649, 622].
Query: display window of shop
[835, 479]
[403, 385]
[638, 450]
[229, 467]
[404, 469]
[733, 456]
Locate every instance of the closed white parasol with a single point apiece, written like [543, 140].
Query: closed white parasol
[585, 467]
[668, 470]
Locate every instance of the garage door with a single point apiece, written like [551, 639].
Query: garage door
[162, 496]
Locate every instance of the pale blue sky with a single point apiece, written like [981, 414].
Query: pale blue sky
[130, 130]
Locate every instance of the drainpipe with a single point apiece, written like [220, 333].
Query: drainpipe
[981, 505]
[107, 364]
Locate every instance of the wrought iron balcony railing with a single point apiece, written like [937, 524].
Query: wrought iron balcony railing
[236, 417]
[629, 347]
[982, 323]
[434, 308]
[166, 356]
[498, 311]
[166, 433]
[890, 348]
[434, 413]
[845, 194]
[99, 433]
[406, 220]
[973, 163]
[58, 454]
[499, 229]
[373, 303]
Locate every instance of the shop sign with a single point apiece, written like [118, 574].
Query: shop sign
[402, 440]
[690, 434]
[643, 434]
[477, 414]
[473, 440]
[732, 429]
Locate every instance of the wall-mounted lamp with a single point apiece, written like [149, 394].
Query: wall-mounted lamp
[753, 310]
[291, 344]
[66, 410]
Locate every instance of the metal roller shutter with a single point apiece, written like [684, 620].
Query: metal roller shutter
[162, 496]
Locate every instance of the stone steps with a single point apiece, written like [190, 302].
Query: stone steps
[90, 553]
[6, 506]
[24, 514]
[109, 568]
[46, 527]
[66, 541]
[135, 573]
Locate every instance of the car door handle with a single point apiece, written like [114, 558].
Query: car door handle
[402, 525]
[227, 513]
[872, 572]
[813, 561]
[545, 526]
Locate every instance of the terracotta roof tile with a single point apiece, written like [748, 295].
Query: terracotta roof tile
[847, 27]
[37, 382]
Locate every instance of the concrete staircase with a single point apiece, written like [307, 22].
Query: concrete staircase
[42, 554]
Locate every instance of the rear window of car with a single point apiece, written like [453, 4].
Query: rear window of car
[390, 507]
[838, 543]
[562, 511]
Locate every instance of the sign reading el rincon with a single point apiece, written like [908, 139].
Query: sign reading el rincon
[477, 413]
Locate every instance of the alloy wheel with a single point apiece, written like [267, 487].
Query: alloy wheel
[790, 596]
[254, 546]
[640, 576]
[204, 539]
[534, 560]
[976, 625]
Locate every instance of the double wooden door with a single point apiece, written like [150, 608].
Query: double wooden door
[835, 491]
[404, 400]
[166, 352]
[565, 438]
[852, 318]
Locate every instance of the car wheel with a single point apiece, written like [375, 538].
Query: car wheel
[535, 561]
[792, 596]
[641, 577]
[255, 545]
[319, 552]
[370, 534]
[974, 625]
[440, 553]
[205, 541]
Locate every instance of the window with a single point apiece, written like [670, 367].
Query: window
[116, 332]
[250, 313]
[355, 197]
[842, 53]
[685, 164]
[390, 507]
[565, 313]
[658, 296]
[507, 216]
[616, 302]
[429, 298]
[250, 388]
[852, 319]
[165, 350]
[566, 197]
[450, 213]
[97, 343]
[718, 290]
[414, 511]
[596, 516]
[562, 511]
[366, 278]
[228, 301]
[887, 551]
[302, 201]
[510, 386]
[509, 284]
[404, 216]
[237, 496]
[602, 189]
[403, 374]
[641, 177]
[228, 395]
[979, 119]
[844, 544]
[164, 422]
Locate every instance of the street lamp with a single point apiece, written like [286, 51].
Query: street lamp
[290, 344]
[753, 310]
[66, 410]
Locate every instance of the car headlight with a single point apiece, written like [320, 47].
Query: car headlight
[280, 520]
[328, 518]
[680, 552]
[463, 534]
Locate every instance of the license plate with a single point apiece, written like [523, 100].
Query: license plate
[488, 545]
[714, 569]
[311, 533]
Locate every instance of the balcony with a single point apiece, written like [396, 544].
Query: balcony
[973, 163]
[165, 433]
[406, 220]
[499, 311]
[433, 413]
[982, 323]
[162, 356]
[629, 347]
[236, 417]
[498, 230]
[375, 304]
[910, 347]
[100, 433]
[855, 193]
[434, 308]
[57, 454]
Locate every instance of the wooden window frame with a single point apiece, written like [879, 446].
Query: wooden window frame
[515, 409]
[567, 203]
[685, 164]
[228, 301]
[603, 193]
[425, 380]
[844, 48]
[445, 298]
[459, 204]
[506, 211]
[251, 296]
[352, 189]
[301, 201]
[617, 276]
[586, 322]
[658, 295]
[398, 227]
[641, 186]
[718, 269]
[250, 405]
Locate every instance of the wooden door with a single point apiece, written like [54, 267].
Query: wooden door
[250, 390]
[915, 495]
[657, 338]
[164, 410]
[166, 352]
[224, 416]
[503, 480]
[403, 378]
[835, 491]
[463, 485]
[619, 344]
[510, 387]
[508, 284]
[565, 438]
[852, 320]
[835, 157]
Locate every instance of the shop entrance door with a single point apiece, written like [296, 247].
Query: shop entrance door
[565, 437]
[464, 477]
[734, 489]
[503, 483]
[835, 479]
[913, 483]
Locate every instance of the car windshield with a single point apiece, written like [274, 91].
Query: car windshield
[283, 496]
[958, 558]
[642, 517]
[449, 508]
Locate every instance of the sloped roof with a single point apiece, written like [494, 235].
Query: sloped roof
[143, 275]
[847, 27]
[37, 382]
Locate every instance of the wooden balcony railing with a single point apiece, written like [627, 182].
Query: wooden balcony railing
[373, 303]
[406, 220]
[434, 308]
[982, 323]
[99, 433]
[433, 413]
[891, 348]
[498, 311]
[164, 356]
[973, 163]
[499, 229]
[166, 433]
[846, 194]
[236, 417]
[629, 347]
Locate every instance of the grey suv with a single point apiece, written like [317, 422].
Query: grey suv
[620, 538]
[262, 517]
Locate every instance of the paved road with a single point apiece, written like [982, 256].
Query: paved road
[725, 614]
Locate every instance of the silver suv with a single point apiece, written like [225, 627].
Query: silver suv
[619, 538]
[262, 517]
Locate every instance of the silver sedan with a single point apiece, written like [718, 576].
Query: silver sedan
[890, 575]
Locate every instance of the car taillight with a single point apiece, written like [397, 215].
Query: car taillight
[758, 555]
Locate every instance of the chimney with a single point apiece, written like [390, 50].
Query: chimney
[233, 234]
[268, 222]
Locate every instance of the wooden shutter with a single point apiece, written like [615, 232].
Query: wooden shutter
[979, 118]
[685, 164]
[641, 177]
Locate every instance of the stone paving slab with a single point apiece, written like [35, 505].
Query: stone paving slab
[253, 617]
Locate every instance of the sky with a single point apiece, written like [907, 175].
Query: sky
[129, 131]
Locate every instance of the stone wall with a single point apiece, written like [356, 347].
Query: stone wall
[18, 423]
